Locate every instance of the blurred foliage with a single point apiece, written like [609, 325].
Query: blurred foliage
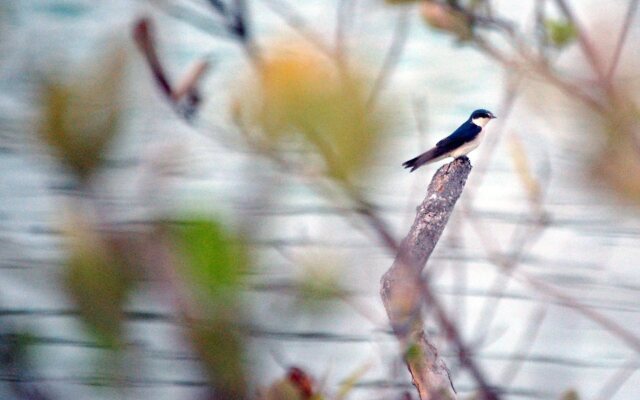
[350, 382]
[81, 118]
[560, 32]
[98, 281]
[303, 381]
[570, 394]
[413, 353]
[216, 261]
[283, 390]
[522, 167]
[15, 349]
[16, 357]
[296, 385]
[309, 98]
[445, 18]
[319, 284]
[108, 370]
[399, 2]
[220, 346]
[306, 98]
[620, 150]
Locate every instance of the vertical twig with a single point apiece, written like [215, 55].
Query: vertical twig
[297, 22]
[613, 384]
[396, 47]
[615, 59]
[345, 15]
[464, 354]
[584, 41]
[524, 346]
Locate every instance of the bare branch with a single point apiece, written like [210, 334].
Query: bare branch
[188, 84]
[185, 98]
[403, 289]
[143, 35]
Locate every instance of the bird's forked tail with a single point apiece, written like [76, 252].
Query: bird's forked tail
[428, 156]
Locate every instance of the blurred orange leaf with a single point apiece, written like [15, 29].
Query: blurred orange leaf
[306, 96]
[444, 18]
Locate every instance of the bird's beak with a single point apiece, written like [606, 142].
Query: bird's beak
[493, 116]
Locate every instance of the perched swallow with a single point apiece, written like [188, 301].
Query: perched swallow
[464, 139]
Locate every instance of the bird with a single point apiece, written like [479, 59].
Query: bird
[463, 140]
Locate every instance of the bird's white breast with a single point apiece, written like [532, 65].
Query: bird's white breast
[467, 147]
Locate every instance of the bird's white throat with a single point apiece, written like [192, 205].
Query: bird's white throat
[481, 121]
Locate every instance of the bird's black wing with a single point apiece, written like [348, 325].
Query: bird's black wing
[465, 133]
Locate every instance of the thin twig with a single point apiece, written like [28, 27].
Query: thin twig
[184, 99]
[501, 282]
[344, 16]
[613, 327]
[490, 145]
[617, 380]
[502, 262]
[203, 22]
[617, 53]
[524, 346]
[297, 22]
[392, 57]
[584, 41]
[464, 354]
[537, 66]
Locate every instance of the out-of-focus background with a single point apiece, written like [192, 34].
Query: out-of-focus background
[129, 210]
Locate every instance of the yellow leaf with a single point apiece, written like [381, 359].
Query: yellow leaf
[81, 118]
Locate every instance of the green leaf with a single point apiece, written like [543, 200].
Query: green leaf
[560, 33]
[98, 282]
[221, 349]
[413, 353]
[216, 259]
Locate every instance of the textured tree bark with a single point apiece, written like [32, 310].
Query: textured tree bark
[402, 288]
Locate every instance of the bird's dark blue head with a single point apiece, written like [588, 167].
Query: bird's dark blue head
[482, 113]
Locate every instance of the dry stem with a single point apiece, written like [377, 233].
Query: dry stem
[403, 290]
